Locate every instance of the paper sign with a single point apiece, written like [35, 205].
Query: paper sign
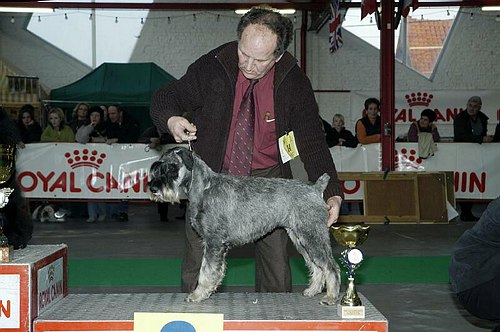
[177, 322]
[288, 148]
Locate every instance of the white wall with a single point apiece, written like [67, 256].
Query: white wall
[27, 54]
[469, 61]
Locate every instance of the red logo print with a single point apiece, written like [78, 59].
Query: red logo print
[419, 99]
[84, 158]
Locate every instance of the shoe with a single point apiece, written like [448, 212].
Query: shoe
[468, 217]
[123, 217]
[101, 218]
[91, 219]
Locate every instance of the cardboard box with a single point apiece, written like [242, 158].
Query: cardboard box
[32, 282]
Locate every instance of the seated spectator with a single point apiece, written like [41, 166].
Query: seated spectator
[424, 125]
[340, 135]
[79, 118]
[471, 126]
[475, 266]
[368, 128]
[94, 132]
[57, 130]
[152, 138]
[30, 129]
[120, 128]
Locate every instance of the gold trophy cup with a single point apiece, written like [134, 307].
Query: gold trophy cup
[351, 236]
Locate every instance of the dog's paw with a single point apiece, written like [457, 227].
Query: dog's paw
[328, 300]
[311, 291]
[197, 296]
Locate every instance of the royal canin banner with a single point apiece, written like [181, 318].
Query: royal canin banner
[85, 171]
[474, 166]
[446, 104]
[120, 171]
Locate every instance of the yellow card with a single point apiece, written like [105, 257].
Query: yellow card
[177, 322]
[288, 148]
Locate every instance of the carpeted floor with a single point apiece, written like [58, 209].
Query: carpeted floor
[404, 273]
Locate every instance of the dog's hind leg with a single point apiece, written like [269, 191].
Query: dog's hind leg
[332, 277]
[322, 257]
[212, 271]
[315, 246]
[316, 277]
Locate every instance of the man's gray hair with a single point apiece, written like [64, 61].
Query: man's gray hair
[475, 99]
[282, 26]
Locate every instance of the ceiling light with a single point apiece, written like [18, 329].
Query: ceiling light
[281, 11]
[25, 10]
[490, 8]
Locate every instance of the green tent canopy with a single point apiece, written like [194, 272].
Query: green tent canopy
[129, 85]
[114, 83]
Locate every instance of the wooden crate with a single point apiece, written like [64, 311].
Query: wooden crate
[403, 197]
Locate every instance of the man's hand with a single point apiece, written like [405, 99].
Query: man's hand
[333, 209]
[181, 129]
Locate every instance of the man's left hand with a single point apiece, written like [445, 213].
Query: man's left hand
[333, 209]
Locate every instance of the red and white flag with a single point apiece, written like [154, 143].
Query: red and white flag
[335, 37]
[368, 7]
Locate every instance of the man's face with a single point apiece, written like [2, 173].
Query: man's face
[113, 114]
[256, 51]
[473, 108]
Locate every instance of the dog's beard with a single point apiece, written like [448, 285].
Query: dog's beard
[166, 195]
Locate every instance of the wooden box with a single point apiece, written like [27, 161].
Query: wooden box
[403, 197]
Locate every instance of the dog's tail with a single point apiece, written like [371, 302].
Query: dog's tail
[322, 182]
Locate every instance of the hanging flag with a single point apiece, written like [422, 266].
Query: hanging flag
[406, 6]
[335, 37]
[368, 7]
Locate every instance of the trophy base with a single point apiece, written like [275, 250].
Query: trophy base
[351, 312]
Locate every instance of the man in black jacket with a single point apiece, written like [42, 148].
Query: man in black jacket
[471, 126]
[212, 91]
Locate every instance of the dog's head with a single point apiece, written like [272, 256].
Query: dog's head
[170, 174]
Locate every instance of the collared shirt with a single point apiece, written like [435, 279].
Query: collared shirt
[265, 150]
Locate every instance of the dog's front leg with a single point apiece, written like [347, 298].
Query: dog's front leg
[212, 271]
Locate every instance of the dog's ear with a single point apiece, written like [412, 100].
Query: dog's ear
[186, 156]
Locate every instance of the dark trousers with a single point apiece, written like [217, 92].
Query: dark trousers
[483, 300]
[272, 268]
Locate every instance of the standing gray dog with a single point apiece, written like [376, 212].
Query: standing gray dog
[228, 211]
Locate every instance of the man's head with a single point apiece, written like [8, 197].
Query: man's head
[96, 115]
[263, 37]
[427, 117]
[114, 113]
[474, 106]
